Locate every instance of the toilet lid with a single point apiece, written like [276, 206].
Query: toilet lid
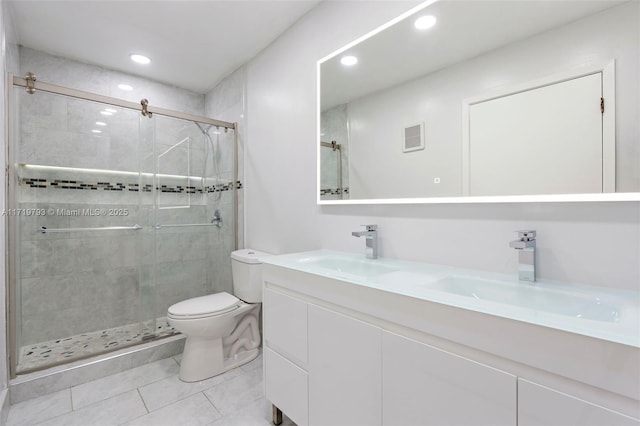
[205, 305]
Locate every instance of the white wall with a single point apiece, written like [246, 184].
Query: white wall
[595, 243]
[377, 120]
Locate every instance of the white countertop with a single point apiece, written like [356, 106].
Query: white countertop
[598, 312]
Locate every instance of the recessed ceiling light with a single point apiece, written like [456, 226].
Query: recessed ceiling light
[125, 87]
[140, 59]
[96, 131]
[100, 123]
[349, 60]
[106, 113]
[425, 22]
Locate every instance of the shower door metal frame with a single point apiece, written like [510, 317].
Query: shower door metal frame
[336, 147]
[88, 96]
[13, 81]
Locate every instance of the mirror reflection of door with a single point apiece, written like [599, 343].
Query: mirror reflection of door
[547, 140]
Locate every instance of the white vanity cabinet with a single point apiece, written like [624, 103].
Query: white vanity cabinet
[338, 352]
[426, 386]
[345, 378]
[541, 406]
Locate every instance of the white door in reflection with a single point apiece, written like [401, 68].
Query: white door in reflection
[545, 140]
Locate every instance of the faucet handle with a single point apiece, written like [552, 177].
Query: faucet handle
[526, 235]
[370, 227]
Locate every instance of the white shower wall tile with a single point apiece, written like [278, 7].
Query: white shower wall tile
[91, 78]
[176, 281]
[227, 102]
[112, 296]
[56, 70]
[70, 255]
[62, 274]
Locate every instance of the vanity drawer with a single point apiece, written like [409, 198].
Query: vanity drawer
[285, 326]
[286, 386]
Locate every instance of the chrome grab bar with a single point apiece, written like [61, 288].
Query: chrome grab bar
[180, 225]
[136, 227]
[45, 230]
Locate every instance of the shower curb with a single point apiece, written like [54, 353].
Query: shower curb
[43, 382]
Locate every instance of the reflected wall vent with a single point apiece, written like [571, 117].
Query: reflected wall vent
[413, 138]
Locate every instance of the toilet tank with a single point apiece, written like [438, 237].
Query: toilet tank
[246, 271]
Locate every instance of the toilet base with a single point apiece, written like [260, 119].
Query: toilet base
[201, 359]
[196, 369]
[207, 357]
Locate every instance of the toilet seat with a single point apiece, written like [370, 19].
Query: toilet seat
[205, 306]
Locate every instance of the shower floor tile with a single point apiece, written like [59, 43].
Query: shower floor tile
[40, 355]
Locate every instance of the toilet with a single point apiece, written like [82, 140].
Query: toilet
[222, 329]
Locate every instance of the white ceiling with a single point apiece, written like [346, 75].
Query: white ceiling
[192, 44]
[465, 29]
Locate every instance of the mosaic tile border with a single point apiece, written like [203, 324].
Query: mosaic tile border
[333, 191]
[39, 355]
[118, 186]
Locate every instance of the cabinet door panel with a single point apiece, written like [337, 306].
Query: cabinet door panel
[344, 370]
[427, 386]
[542, 406]
[285, 325]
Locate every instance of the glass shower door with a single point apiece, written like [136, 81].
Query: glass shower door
[117, 217]
[83, 279]
[193, 212]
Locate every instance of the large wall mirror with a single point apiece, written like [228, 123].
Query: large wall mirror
[474, 100]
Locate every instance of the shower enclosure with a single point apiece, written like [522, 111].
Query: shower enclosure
[334, 153]
[117, 211]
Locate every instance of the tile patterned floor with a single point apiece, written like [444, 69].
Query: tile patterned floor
[47, 353]
[153, 395]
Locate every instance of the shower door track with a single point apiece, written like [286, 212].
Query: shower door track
[33, 87]
[79, 94]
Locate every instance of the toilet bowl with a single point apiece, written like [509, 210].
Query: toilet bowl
[221, 330]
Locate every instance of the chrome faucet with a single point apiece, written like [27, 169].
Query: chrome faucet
[371, 234]
[526, 246]
[217, 219]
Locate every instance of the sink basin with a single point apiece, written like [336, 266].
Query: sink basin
[601, 312]
[540, 297]
[368, 268]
